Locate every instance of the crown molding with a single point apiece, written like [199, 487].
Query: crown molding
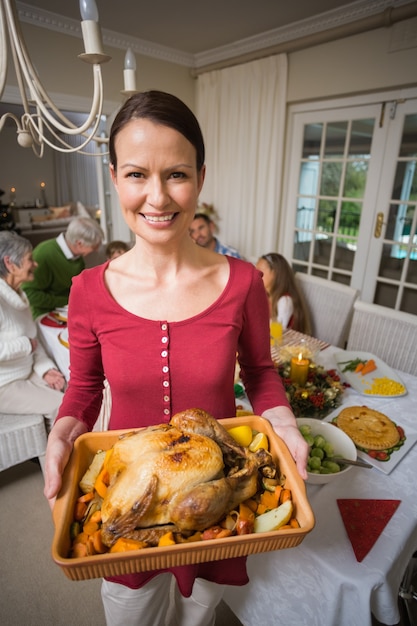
[319, 23]
[67, 26]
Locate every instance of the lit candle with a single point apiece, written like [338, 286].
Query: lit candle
[299, 370]
[12, 195]
[43, 195]
[129, 72]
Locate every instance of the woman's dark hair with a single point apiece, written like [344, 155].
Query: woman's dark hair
[285, 284]
[161, 108]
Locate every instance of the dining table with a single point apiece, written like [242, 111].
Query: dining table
[52, 334]
[320, 582]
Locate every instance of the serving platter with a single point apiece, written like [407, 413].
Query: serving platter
[386, 467]
[118, 563]
[361, 383]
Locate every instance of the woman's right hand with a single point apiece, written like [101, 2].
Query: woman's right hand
[60, 443]
[33, 343]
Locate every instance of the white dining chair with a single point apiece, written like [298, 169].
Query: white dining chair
[390, 335]
[330, 305]
[22, 437]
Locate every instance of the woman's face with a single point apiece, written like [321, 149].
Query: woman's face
[157, 180]
[24, 272]
[268, 275]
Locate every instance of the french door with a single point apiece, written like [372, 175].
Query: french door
[352, 196]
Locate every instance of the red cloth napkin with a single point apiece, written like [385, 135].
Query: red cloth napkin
[49, 320]
[364, 521]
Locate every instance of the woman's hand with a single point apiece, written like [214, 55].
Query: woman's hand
[60, 443]
[33, 343]
[54, 379]
[285, 425]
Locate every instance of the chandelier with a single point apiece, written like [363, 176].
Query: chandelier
[42, 122]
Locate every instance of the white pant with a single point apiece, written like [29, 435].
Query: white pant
[23, 397]
[159, 603]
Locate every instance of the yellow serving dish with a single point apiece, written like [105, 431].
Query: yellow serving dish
[116, 564]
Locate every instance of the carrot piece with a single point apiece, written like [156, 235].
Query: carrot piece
[80, 510]
[369, 367]
[260, 509]
[285, 527]
[285, 495]
[294, 523]
[101, 483]
[359, 367]
[167, 540]
[90, 546]
[96, 516]
[79, 550]
[99, 546]
[90, 528]
[81, 538]
[269, 499]
[251, 504]
[124, 545]
[86, 497]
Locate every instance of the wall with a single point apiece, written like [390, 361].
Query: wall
[21, 169]
[350, 66]
[353, 65]
[68, 81]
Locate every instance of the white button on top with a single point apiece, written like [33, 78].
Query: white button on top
[164, 326]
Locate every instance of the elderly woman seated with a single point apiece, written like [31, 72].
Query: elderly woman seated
[29, 380]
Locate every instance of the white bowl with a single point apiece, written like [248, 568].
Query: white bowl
[342, 445]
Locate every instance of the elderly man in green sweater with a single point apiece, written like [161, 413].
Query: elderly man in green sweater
[58, 261]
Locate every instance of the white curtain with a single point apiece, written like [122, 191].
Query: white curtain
[242, 114]
[76, 176]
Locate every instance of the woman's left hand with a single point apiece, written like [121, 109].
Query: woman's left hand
[54, 379]
[285, 425]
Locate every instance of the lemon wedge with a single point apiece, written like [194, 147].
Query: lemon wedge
[259, 441]
[242, 434]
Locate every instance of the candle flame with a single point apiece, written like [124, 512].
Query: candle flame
[43, 185]
[300, 356]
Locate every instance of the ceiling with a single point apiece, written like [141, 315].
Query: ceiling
[195, 27]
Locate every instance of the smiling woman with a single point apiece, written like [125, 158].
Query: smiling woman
[163, 323]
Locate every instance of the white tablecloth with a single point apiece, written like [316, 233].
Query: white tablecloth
[320, 582]
[49, 337]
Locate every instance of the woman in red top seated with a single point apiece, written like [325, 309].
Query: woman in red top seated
[163, 323]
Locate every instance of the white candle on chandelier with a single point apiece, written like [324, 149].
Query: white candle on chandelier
[88, 10]
[129, 72]
[90, 27]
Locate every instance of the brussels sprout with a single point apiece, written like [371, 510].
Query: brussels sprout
[328, 449]
[309, 439]
[315, 462]
[331, 466]
[319, 441]
[317, 452]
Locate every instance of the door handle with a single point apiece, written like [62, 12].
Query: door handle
[378, 224]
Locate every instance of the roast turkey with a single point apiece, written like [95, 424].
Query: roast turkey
[185, 475]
